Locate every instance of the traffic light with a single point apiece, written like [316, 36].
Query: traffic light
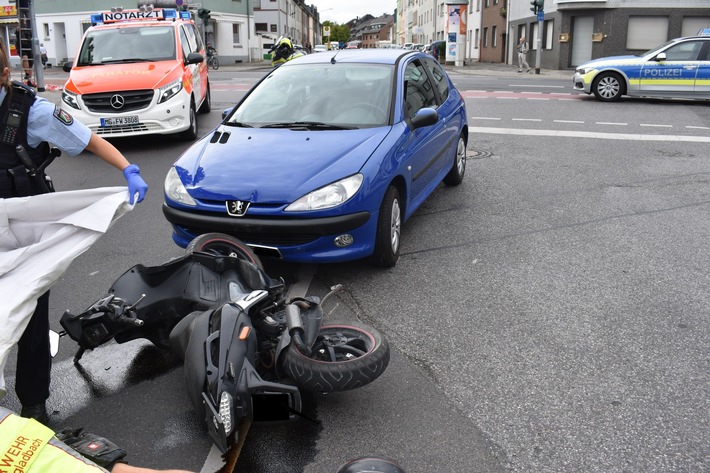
[204, 15]
[537, 6]
[533, 6]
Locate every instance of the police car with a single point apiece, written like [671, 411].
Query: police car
[139, 72]
[679, 68]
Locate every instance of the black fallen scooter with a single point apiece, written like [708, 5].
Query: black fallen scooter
[246, 350]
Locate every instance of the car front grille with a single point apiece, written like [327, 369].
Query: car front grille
[132, 100]
[265, 239]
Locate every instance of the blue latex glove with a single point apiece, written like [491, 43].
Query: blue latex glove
[136, 184]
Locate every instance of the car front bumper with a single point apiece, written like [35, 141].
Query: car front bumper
[306, 240]
[583, 82]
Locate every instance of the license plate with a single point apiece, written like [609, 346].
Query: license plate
[119, 121]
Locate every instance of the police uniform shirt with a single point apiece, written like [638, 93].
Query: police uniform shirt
[47, 122]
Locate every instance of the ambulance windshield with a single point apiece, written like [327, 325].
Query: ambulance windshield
[128, 44]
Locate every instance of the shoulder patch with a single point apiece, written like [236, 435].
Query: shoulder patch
[63, 116]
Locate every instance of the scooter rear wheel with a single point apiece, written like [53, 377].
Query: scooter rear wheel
[221, 244]
[345, 356]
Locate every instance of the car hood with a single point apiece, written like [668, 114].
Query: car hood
[611, 61]
[273, 166]
[132, 76]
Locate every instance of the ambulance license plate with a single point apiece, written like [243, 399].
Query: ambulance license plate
[119, 121]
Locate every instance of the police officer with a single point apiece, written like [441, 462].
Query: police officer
[28, 446]
[28, 124]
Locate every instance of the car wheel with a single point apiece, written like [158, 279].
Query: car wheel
[191, 133]
[220, 244]
[389, 229]
[458, 169]
[206, 106]
[608, 87]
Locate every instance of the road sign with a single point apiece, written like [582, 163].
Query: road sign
[326, 31]
[178, 3]
[541, 16]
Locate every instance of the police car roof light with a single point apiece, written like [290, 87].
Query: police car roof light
[704, 32]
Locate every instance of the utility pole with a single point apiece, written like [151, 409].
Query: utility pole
[28, 27]
[538, 7]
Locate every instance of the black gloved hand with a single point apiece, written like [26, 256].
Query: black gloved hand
[99, 450]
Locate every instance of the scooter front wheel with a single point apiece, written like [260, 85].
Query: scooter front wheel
[345, 356]
[225, 245]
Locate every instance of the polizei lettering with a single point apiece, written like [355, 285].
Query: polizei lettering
[656, 72]
[17, 457]
[132, 15]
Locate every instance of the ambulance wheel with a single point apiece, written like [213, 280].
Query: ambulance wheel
[207, 103]
[608, 87]
[191, 133]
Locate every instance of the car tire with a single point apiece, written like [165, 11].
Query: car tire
[191, 133]
[608, 87]
[458, 168]
[389, 230]
[206, 106]
[226, 245]
[345, 356]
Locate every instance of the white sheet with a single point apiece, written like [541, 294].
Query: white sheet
[39, 238]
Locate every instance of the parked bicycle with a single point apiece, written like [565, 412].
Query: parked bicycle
[212, 60]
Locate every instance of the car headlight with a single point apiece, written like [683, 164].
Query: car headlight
[584, 70]
[175, 190]
[70, 99]
[329, 196]
[169, 90]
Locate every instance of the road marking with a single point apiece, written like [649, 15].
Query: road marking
[612, 123]
[526, 119]
[507, 98]
[484, 118]
[569, 121]
[589, 134]
[658, 126]
[698, 127]
[538, 86]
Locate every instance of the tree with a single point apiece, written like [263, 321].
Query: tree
[339, 33]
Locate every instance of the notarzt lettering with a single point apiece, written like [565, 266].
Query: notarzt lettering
[132, 15]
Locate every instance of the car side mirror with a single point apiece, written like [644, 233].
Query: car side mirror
[425, 117]
[660, 57]
[66, 67]
[226, 112]
[194, 58]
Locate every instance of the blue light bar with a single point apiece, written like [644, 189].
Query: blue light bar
[185, 15]
[96, 18]
[170, 13]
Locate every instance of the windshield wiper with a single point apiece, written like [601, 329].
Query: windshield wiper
[239, 124]
[128, 59]
[309, 126]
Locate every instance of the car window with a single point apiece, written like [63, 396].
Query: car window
[137, 44]
[685, 51]
[419, 93]
[341, 94]
[185, 43]
[440, 80]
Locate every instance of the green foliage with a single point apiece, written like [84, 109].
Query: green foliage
[337, 32]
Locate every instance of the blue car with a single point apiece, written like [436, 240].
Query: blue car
[325, 158]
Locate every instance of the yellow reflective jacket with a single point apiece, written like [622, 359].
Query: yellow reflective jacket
[28, 446]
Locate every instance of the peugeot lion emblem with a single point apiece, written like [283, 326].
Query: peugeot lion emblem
[237, 208]
[117, 101]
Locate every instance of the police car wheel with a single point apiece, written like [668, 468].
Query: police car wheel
[608, 87]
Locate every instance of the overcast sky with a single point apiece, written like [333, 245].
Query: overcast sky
[346, 10]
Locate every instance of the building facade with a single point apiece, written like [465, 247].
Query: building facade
[232, 26]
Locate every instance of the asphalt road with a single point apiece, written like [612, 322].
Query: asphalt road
[549, 314]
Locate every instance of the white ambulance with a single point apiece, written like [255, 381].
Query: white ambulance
[139, 72]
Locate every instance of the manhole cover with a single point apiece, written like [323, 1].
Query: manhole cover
[478, 154]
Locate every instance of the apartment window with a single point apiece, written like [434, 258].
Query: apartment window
[693, 24]
[477, 38]
[485, 37]
[488, 3]
[549, 31]
[274, 28]
[235, 33]
[494, 36]
[645, 32]
[261, 26]
[532, 40]
[45, 27]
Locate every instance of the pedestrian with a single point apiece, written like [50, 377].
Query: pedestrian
[43, 55]
[29, 123]
[522, 55]
[35, 448]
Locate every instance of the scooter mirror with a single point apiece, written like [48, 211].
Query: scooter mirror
[53, 343]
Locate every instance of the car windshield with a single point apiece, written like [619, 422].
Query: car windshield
[657, 48]
[131, 44]
[320, 96]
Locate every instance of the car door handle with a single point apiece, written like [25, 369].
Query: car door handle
[690, 67]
